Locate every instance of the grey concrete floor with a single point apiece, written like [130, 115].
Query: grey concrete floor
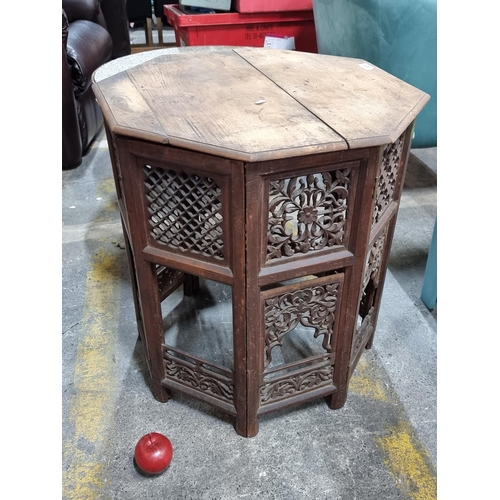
[380, 445]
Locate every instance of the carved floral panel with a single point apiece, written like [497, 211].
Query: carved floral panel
[391, 160]
[307, 213]
[312, 307]
[370, 285]
[374, 260]
[296, 383]
[198, 375]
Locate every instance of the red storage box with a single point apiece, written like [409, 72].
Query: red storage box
[243, 30]
[251, 6]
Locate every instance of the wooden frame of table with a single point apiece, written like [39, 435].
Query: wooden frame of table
[277, 173]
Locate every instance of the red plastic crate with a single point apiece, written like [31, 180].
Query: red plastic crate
[251, 6]
[243, 30]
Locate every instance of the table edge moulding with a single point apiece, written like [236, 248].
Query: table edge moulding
[275, 172]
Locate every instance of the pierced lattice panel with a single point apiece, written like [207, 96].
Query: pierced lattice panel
[373, 263]
[185, 211]
[307, 213]
[300, 312]
[197, 374]
[311, 306]
[319, 374]
[389, 168]
[374, 260]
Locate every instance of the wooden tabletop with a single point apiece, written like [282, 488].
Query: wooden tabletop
[256, 104]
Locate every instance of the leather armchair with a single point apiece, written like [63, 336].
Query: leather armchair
[93, 32]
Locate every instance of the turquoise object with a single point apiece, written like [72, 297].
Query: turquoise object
[398, 36]
[429, 287]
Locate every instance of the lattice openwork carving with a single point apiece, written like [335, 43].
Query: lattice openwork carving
[198, 374]
[374, 260]
[307, 213]
[391, 160]
[297, 383]
[185, 211]
[312, 307]
[364, 330]
[371, 277]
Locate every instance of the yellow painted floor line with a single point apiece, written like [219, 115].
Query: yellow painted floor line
[95, 381]
[404, 456]
[106, 193]
[408, 463]
[365, 384]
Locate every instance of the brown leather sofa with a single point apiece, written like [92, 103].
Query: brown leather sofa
[93, 32]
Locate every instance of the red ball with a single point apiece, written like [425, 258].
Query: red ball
[153, 453]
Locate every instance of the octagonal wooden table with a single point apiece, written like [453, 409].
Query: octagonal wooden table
[277, 173]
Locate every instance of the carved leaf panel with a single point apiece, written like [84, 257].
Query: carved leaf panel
[374, 260]
[307, 213]
[387, 178]
[297, 383]
[310, 303]
[198, 374]
[365, 326]
[312, 307]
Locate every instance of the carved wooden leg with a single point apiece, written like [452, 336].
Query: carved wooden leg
[338, 398]
[159, 392]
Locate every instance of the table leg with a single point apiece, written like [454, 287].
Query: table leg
[149, 303]
[252, 366]
[245, 375]
[159, 27]
[148, 30]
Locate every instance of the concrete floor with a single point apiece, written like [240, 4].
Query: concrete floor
[380, 445]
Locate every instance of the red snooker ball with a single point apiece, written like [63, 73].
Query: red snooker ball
[153, 453]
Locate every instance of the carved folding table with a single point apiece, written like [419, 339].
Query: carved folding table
[276, 174]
